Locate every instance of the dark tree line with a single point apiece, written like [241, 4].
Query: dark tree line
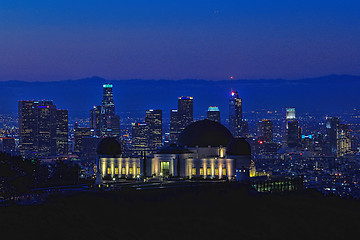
[19, 175]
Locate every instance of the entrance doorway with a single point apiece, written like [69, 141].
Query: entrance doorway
[165, 168]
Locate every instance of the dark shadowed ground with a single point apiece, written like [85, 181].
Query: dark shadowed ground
[223, 211]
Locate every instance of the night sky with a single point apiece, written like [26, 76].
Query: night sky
[56, 40]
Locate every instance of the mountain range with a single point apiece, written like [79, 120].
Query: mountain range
[328, 94]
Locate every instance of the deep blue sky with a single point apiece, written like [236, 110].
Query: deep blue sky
[149, 39]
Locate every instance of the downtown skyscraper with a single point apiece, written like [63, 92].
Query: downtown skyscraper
[288, 117]
[154, 120]
[213, 114]
[265, 130]
[182, 117]
[43, 129]
[332, 130]
[103, 119]
[237, 126]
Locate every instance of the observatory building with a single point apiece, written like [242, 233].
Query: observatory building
[205, 150]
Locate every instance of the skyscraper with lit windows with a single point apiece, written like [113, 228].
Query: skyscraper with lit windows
[154, 120]
[213, 114]
[237, 125]
[140, 139]
[62, 132]
[343, 140]
[265, 130]
[174, 125]
[288, 115]
[332, 129]
[185, 112]
[103, 119]
[43, 130]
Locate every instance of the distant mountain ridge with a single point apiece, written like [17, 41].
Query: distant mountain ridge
[330, 94]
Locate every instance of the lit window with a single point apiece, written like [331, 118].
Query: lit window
[201, 171]
[194, 171]
[116, 171]
[216, 171]
[123, 171]
[109, 171]
[208, 172]
[224, 171]
[138, 171]
[131, 171]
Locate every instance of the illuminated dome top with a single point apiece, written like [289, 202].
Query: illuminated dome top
[238, 146]
[108, 146]
[205, 133]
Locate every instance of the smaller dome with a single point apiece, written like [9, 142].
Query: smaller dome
[238, 146]
[108, 146]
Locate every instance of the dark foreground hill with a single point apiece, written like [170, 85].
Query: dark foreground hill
[210, 212]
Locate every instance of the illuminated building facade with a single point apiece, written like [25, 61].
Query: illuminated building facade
[206, 150]
[154, 120]
[288, 115]
[343, 140]
[42, 128]
[108, 106]
[140, 139]
[213, 114]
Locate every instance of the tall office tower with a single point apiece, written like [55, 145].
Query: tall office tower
[140, 138]
[343, 140]
[213, 114]
[38, 123]
[79, 134]
[237, 126]
[46, 129]
[109, 121]
[185, 112]
[62, 132]
[28, 127]
[293, 134]
[288, 115]
[154, 120]
[113, 125]
[8, 145]
[108, 100]
[174, 125]
[332, 129]
[95, 119]
[265, 130]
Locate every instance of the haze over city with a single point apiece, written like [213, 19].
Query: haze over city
[212, 40]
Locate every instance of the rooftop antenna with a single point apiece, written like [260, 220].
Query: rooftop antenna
[231, 78]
